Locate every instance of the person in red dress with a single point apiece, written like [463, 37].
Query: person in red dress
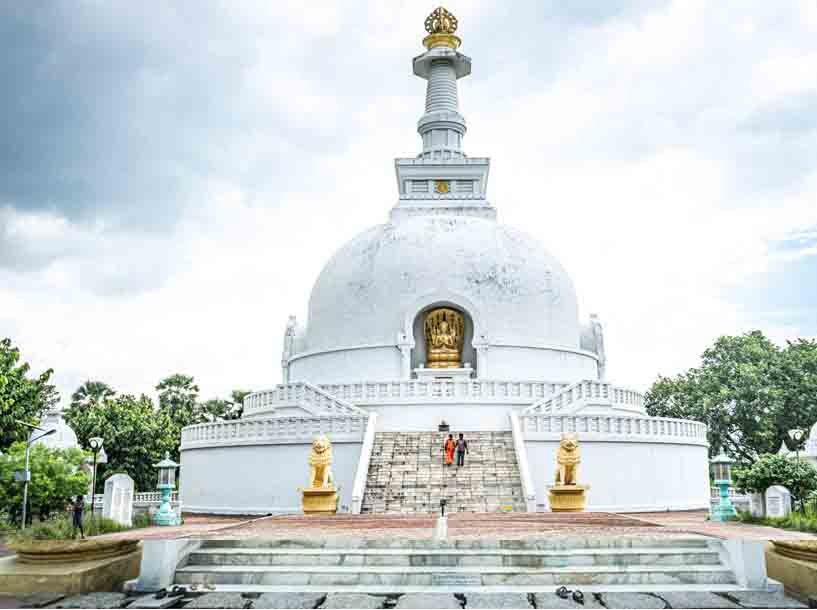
[448, 449]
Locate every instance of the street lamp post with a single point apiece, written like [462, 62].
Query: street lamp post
[722, 474]
[26, 472]
[99, 457]
[797, 435]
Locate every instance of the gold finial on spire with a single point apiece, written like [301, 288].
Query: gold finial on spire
[441, 25]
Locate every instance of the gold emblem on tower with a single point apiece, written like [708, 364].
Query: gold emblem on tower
[441, 25]
[444, 331]
[443, 187]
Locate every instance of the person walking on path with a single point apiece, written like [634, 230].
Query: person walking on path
[448, 449]
[79, 508]
[462, 449]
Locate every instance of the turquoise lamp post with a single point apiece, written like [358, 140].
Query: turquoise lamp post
[167, 482]
[722, 473]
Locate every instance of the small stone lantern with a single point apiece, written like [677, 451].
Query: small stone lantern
[167, 482]
[721, 467]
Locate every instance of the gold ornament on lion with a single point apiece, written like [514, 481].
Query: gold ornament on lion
[444, 332]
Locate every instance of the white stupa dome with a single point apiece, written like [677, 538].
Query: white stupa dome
[515, 292]
[63, 438]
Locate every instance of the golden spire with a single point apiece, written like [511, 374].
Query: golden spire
[441, 25]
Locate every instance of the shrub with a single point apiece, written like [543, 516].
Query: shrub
[62, 528]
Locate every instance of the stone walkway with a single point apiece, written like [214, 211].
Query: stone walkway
[469, 526]
[525, 601]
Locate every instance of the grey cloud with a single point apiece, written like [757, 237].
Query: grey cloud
[114, 109]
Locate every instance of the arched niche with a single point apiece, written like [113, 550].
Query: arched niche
[418, 353]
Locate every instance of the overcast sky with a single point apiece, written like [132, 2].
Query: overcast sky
[174, 175]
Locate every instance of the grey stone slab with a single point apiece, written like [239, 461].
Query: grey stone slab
[631, 600]
[762, 599]
[696, 599]
[353, 600]
[38, 600]
[95, 600]
[147, 602]
[289, 600]
[551, 600]
[219, 600]
[428, 600]
[497, 600]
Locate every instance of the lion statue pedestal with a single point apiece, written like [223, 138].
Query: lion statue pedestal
[567, 496]
[321, 497]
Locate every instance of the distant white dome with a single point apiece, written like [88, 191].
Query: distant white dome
[515, 292]
[63, 438]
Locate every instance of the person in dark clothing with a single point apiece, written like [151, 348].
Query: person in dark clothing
[462, 449]
[79, 508]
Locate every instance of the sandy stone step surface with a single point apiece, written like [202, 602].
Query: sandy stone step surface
[407, 474]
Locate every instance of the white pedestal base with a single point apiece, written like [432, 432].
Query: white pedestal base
[431, 374]
[441, 528]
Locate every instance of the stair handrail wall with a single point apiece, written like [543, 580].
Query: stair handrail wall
[587, 391]
[359, 487]
[300, 394]
[528, 490]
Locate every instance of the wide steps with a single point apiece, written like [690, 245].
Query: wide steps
[407, 475]
[431, 575]
[402, 564]
[455, 557]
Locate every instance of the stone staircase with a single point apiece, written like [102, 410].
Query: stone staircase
[612, 563]
[407, 474]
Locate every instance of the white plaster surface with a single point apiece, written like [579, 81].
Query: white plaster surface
[258, 479]
[629, 475]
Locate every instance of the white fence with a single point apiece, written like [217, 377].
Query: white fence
[273, 430]
[619, 426]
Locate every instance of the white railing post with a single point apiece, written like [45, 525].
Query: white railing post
[359, 486]
[528, 490]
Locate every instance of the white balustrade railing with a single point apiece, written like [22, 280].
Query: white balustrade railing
[619, 426]
[588, 391]
[273, 430]
[144, 497]
[312, 399]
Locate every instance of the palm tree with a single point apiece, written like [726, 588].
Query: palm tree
[90, 393]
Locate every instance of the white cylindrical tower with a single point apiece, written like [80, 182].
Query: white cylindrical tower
[442, 126]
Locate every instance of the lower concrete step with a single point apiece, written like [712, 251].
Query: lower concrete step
[402, 564]
[526, 558]
[435, 575]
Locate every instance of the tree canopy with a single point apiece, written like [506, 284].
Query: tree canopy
[135, 434]
[748, 391]
[22, 396]
[56, 477]
[798, 476]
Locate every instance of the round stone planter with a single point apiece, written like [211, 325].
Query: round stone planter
[804, 550]
[65, 551]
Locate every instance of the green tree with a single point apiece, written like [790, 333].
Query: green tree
[89, 393]
[56, 477]
[237, 397]
[748, 391]
[21, 397]
[178, 398]
[798, 476]
[219, 408]
[136, 435]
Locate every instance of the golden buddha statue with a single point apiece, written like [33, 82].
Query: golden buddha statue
[444, 331]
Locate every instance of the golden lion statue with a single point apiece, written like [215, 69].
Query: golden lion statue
[568, 458]
[320, 463]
